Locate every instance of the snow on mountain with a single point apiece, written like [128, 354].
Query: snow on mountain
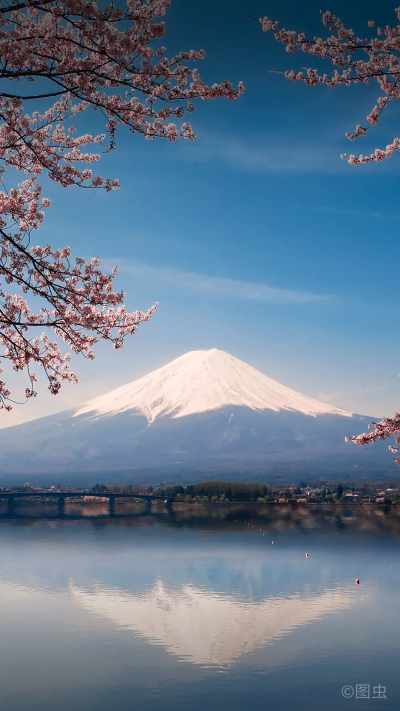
[200, 381]
[203, 415]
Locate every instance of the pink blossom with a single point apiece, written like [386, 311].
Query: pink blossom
[83, 56]
[355, 60]
[346, 53]
[388, 427]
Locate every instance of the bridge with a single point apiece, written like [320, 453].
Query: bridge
[61, 496]
[79, 495]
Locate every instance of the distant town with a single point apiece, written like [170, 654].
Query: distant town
[220, 492]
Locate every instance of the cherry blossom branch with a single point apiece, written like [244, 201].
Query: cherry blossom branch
[85, 58]
[345, 52]
[23, 5]
[388, 427]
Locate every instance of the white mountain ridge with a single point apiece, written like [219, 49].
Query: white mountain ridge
[202, 381]
[203, 415]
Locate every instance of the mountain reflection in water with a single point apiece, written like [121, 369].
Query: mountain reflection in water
[206, 628]
[195, 609]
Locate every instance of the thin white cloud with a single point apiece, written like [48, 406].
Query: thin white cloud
[267, 153]
[271, 156]
[350, 211]
[231, 288]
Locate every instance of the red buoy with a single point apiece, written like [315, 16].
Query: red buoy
[273, 542]
[306, 555]
[357, 581]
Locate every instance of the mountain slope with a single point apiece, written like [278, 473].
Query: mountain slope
[205, 414]
[200, 381]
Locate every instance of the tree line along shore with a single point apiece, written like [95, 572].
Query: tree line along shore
[237, 492]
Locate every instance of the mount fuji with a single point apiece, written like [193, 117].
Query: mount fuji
[203, 381]
[205, 413]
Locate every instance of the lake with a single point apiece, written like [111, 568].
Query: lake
[196, 608]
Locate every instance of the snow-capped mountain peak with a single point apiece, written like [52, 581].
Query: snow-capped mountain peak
[200, 381]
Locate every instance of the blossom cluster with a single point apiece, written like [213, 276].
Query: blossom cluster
[81, 307]
[355, 60]
[65, 57]
[388, 427]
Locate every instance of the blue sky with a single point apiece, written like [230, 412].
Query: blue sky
[256, 238]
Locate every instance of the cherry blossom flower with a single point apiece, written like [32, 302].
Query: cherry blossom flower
[354, 60]
[75, 56]
[388, 427]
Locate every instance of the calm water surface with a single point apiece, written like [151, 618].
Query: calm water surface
[196, 609]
